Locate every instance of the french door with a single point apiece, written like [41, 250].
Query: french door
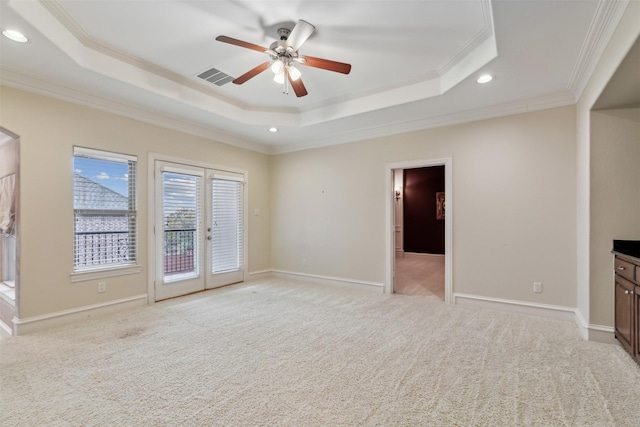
[199, 229]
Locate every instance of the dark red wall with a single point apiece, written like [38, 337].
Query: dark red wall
[423, 233]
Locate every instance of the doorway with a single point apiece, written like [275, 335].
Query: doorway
[420, 214]
[9, 229]
[199, 228]
[395, 244]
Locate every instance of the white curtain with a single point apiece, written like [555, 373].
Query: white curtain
[7, 204]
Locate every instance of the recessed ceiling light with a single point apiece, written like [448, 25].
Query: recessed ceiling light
[15, 36]
[273, 130]
[485, 78]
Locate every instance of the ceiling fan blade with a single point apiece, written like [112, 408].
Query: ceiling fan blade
[297, 85]
[325, 64]
[240, 43]
[300, 33]
[251, 73]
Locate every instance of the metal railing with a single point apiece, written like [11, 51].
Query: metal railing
[101, 248]
[112, 247]
[179, 251]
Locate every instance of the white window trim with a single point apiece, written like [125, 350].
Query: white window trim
[101, 273]
[105, 154]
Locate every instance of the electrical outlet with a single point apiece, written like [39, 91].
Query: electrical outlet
[537, 287]
[102, 287]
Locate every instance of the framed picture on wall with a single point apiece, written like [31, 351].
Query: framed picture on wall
[440, 206]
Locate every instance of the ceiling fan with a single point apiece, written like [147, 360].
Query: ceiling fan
[283, 54]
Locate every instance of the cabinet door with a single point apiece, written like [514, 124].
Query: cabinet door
[625, 319]
[636, 310]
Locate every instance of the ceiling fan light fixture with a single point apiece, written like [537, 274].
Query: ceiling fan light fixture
[282, 53]
[294, 72]
[277, 67]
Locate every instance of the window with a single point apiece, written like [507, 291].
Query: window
[104, 209]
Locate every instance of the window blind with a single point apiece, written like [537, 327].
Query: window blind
[227, 227]
[105, 211]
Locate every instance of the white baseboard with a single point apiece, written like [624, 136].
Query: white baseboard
[419, 254]
[259, 275]
[4, 328]
[592, 332]
[329, 281]
[588, 331]
[46, 321]
[583, 325]
[602, 334]
[522, 307]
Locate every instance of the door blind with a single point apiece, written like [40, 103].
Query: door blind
[226, 225]
[181, 218]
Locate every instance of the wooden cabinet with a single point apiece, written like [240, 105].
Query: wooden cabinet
[627, 303]
[636, 345]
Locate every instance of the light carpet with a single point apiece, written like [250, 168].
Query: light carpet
[279, 353]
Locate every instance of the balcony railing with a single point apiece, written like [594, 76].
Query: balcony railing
[95, 248]
[101, 248]
[179, 251]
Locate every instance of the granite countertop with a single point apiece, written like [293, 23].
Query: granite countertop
[627, 247]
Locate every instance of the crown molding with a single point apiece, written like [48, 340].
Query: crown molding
[37, 85]
[554, 100]
[473, 43]
[605, 20]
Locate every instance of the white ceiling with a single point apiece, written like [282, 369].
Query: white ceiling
[414, 63]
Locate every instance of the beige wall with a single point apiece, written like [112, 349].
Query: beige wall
[615, 199]
[514, 186]
[49, 129]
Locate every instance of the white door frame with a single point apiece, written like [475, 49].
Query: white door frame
[390, 251]
[193, 283]
[151, 217]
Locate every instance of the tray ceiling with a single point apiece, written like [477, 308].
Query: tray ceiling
[414, 63]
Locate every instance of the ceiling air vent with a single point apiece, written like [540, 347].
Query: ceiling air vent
[215, 76]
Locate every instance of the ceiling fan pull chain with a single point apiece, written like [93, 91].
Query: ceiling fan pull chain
[285, 86]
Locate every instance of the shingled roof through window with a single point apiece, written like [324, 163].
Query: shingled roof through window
[90, 195]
